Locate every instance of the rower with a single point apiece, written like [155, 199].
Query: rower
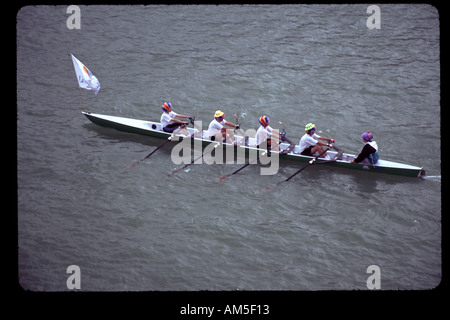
[265, 134]
[369, 153]
[168, 121]
[216, 129]
[308, 144]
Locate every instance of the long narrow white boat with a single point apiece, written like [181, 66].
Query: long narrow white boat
[154, 129]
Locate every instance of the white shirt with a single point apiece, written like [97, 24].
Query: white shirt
[215, 127]
[263, 134]
[166, 117]
[373, 144]
[307, 141]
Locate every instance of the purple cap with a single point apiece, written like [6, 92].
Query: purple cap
[367, 136]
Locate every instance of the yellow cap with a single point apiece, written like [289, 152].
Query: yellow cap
[219, 114]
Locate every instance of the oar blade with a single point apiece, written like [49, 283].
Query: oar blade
[131, 166]
[220, 179]
[173, 172]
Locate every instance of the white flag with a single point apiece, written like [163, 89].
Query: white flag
[86, 79]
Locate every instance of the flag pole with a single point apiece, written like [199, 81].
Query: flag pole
[81, 93]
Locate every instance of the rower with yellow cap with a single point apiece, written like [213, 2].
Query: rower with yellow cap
[308, 144]
[216, 129]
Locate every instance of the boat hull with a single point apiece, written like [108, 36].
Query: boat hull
[153, 129]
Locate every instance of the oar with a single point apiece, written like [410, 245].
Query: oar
[187, 165]
[148, 156]
[243, 167]
[310, 162]
[291, 144]
[240, 131]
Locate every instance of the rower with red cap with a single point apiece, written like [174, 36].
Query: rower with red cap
[216, 129]
[369, 154]
[264, 135]
[308, 144]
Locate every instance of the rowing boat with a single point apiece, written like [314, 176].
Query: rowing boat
[154, 129]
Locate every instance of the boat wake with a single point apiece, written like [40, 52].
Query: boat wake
[434, 178]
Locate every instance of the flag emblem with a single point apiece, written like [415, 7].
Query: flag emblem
[87, 71]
